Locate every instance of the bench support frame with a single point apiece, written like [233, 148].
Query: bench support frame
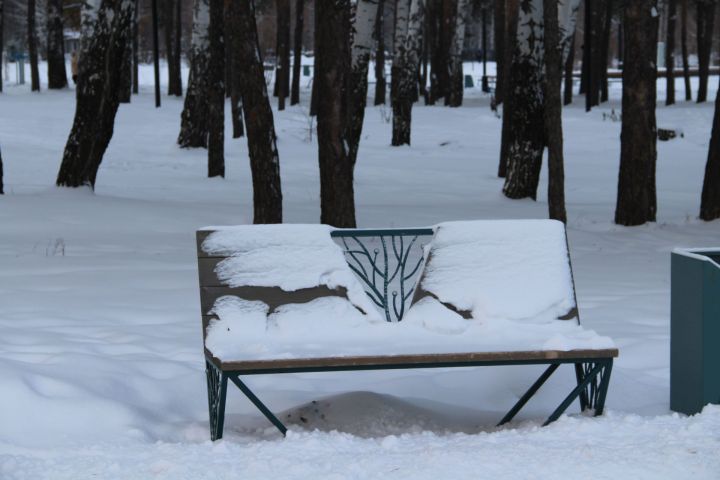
[592, 374]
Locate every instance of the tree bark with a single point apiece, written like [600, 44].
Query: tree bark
[282, 73]
[105, 31]
[297, 55]
[605, 51]
[710, 202]
[194, 127]
[232, 88]
[262, 144]
[511, 16]
[337, 202]
[553, 111]
[705, 17]
[456, 87]
[670, 53]
[126, 77]
[57, 76]
[380, 83]
[172, 30]
[216, 90]
[135, 48]
[684, 47]
[636, 201]
[569, 64]
[500, 29]
[32, 47]
[2, 45]
[404, 69]
[313, 93]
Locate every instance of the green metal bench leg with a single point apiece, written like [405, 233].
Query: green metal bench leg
[260, 406]
[603, 389]
[217, 391]
[588, 377]
[583, 397]
[528, 395]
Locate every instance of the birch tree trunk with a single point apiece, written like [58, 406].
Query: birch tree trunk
[705, 17]
[262, 144]
[710, 202]
[297, 54]
[454, 97]
[380, 83]
[670, 53]
[32, 47]
[362, 44]
[636, 201]
[57, 76]
[194, 118]
[337, 199]
[404, 70]
[105, 32]
[216, 90]
[684, 48]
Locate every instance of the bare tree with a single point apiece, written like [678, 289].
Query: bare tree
[262, 145]
[172, 26]
[710, 202]
[126, 78]
[636, 201]
[282, 72]
[569, 64]
[705, 17]
[380, 83]
[670, 52]
[105, 31]
[232, 87]
[32, 47]
[57, 76]
[194, 118]
[216, 90]
[684, 47]
[297, 54]
[454, 96]
[499, 30]
[511, 17]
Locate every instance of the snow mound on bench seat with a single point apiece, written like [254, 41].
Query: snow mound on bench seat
[288, 256]
[332, 327]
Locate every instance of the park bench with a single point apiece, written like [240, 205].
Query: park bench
[277, 298]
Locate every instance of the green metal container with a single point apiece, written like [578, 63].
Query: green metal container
[694, 329]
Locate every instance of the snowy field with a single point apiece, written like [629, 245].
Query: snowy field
[101, 366]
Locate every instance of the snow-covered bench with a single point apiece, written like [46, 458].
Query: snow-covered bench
[309, 298]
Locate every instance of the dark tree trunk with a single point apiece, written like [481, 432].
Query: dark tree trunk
[282, 75]
[1, 163]
[636, 201]
[569, 64]
[710, 203]
[194, 126]
[670, 52]
[216, 91]
[553, 112]
[32, 47]
[57, 76]
[705, 22]
[126, 76]
[262, 145]
[173, 58]
[232, 72]
[499, 36]
[135, 46]
[597, 9]
[605, 51]
[313, 92]
[455, 12]
[2, 45]
[432, 38]
[106, 30]
[684, 48]
[585, 69]
[444, 13]
[297, 55]
[380, 83]
[511, 16]
[337, 203]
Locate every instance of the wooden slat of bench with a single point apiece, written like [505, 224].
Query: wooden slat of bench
[272, 296]
[437, 359]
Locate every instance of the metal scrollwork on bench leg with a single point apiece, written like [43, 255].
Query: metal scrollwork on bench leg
[217, 391]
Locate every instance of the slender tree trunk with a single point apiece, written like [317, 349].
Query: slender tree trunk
[297, 55]
[511, 16]
[553, 111]
[405, 62]
[172, 30]
[282, 72]
[105, 32]
[586, 51]
[135, 47]
[216, 91]
[670, 53]
[1, 163]
[337, 201]
[232, 87]
[569, 64]
[432, 35]
[57, 76]
[598, 9]
[364, 26]
[313, 92]
[636, 201]
[684, 48]
[455, 66]
[2, 45]
[177, 51]
[380, 83]
[500, 29]
[710, 203]
[194, 126]
[605, 51]
[262, 144]
[32, 47]
[126, 76]
[705, 22]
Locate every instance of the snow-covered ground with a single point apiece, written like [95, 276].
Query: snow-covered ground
[101, 367]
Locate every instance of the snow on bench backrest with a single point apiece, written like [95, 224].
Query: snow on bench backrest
[515, 270]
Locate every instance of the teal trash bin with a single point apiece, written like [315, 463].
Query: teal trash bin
[694, 329]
